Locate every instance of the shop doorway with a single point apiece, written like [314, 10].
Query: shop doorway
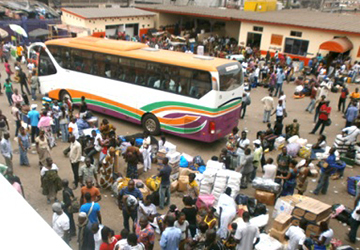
[253, 40]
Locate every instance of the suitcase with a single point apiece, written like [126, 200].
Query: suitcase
[351, 184]
[26, 99]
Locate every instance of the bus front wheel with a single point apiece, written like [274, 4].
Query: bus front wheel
[151, 124]
[63, 95]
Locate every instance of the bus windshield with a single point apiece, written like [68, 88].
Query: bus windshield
[231, 76]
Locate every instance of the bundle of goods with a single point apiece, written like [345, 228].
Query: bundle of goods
[280, 225]
[357, 158]
[266, 185]
[342, 144]
[206, 184]
[269, 243]
[142, 187]
[341, 213]
[216, 180]
[119, 184]
[185, 160]
[293, 149]
[322, 156]
[174, 161]
[352, 182]
[279, 143]
[304, 152]
[153, 183]
[205, 201]
[220, 184]
[314, 212]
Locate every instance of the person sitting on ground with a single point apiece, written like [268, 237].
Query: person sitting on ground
[292, 129]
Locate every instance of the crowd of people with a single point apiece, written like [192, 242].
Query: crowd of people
[94, 157]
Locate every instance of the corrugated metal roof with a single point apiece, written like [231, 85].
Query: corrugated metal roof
[296, 17]
[89, 13]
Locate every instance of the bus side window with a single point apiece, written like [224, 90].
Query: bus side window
[65, 55]
[200, 83]
[153, 75]
[140, 72]
[183, 87]
[46, 67]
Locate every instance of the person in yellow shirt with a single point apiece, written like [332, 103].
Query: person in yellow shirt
[193, 187]
[19, 51]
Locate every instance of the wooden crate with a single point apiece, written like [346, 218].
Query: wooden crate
[314, 229]
[282, 221]
[295, 220]
[265, 197]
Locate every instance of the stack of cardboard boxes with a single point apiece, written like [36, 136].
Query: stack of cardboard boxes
[313, 211]
[265, 197]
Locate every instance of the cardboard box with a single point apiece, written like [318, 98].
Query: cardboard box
[282, 221]
[183, 182]
[279, 235]
[140, 169]
[312, 210]
[175, 167]
[295, 220]
[314, 229]
[241, 209]
[174, 186]
[187, 171]
[265, 197]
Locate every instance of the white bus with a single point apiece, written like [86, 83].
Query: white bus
[191, 96]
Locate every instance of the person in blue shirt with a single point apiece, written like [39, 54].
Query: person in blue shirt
[82, 124]
[129, 209]
[92, 209]
[327, 169]
[34, 117]
[280, 77]
[351, 114]
[170, 238]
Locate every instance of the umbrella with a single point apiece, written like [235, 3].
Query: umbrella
[18, 29]
[39, 32]
[3, 33]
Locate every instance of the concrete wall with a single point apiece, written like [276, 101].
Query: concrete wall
[99, 25]
[315, 37]
[232, 29]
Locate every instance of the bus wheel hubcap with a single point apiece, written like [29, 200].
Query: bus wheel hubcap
[150, 125]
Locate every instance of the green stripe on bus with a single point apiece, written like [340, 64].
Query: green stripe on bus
[156, 105]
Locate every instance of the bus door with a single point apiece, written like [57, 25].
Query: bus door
[46, 67]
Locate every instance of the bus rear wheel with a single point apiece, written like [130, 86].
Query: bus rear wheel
[151, 124]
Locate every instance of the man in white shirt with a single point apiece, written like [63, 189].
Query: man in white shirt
[355, 220]
[60, 222]
[270, 169]
[245, 236]
[6, 150]
[73, 128]
[147, 209]
[296, 235]
[96, 230]
[75, 157]
[268, 102]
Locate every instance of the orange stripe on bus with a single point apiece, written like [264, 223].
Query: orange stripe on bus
[78, 94]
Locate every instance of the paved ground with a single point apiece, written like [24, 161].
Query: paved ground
[111, 215]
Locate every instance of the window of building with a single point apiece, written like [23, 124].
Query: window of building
[296, 46]
[276, 39]
[258, 28]
[296, 33]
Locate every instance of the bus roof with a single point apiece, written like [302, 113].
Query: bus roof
[141, 51]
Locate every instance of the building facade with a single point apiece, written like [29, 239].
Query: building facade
[110, 21]
[298, 33]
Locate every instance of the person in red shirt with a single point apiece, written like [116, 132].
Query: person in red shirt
[108, 238]
[342, 99]
[323, 117]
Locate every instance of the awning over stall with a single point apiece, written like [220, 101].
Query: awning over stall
[340, 45]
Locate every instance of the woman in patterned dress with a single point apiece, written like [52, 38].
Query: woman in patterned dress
[109, 168]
